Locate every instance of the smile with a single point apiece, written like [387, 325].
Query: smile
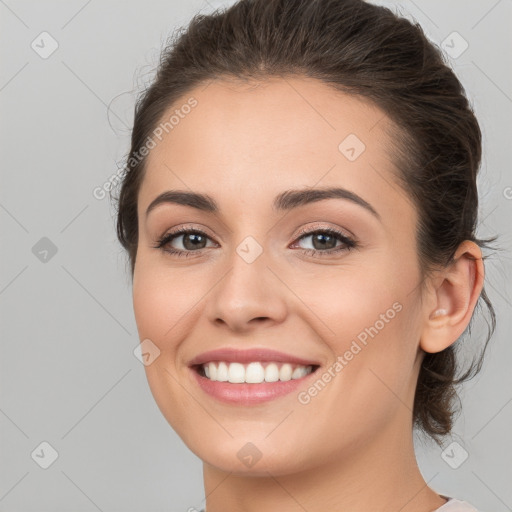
[253, 373]
[250, 384]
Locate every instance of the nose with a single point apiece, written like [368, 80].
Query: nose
[248, 295]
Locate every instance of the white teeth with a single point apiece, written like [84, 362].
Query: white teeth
[299, 372]
[255, 372]
[222, 372]
[236, 373]
[285, 373]
[271, 373]
[212, 371]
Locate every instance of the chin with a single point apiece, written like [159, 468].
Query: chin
[244, 458]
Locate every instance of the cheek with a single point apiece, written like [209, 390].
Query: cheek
[161, 309]
[367, 315]
[380, 350]
[347, 300]
[146, 304]
[167, 303]
[157, 303]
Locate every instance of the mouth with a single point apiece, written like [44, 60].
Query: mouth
[252, 383]
[250, 376]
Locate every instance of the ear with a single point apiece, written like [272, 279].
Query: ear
[452, 297]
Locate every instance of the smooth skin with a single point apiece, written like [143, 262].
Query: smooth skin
[351, 447]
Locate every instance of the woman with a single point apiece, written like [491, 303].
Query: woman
[299, 212]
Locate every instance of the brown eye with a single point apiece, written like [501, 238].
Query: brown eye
[191, 241]
[323, 242]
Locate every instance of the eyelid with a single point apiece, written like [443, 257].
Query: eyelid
[179, 228]
[310, 228]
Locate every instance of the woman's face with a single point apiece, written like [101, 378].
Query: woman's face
[267, 276]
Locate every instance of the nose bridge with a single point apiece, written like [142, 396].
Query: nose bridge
[246, 290]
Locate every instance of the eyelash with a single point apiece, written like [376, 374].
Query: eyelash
[348, 243]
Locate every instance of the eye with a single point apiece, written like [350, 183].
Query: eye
[323, 242]
[193, 240]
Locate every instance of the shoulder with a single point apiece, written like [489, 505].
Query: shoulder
[452, 505]
[456, 505]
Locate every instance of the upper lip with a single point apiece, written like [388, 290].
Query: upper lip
[249, 355]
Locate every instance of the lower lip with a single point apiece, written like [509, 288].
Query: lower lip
[248, 394]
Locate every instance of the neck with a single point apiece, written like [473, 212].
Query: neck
[381, 475]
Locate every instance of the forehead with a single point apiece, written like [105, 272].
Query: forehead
[248, 141]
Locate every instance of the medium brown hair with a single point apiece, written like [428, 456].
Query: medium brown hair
[365, 50]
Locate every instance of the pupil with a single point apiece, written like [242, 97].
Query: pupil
[321, 238]
[194, 236]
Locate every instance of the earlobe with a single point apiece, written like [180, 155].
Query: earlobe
[452, 299]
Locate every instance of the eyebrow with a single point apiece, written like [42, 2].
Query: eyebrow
[283, 202]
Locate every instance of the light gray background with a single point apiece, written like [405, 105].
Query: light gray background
[68, 373]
